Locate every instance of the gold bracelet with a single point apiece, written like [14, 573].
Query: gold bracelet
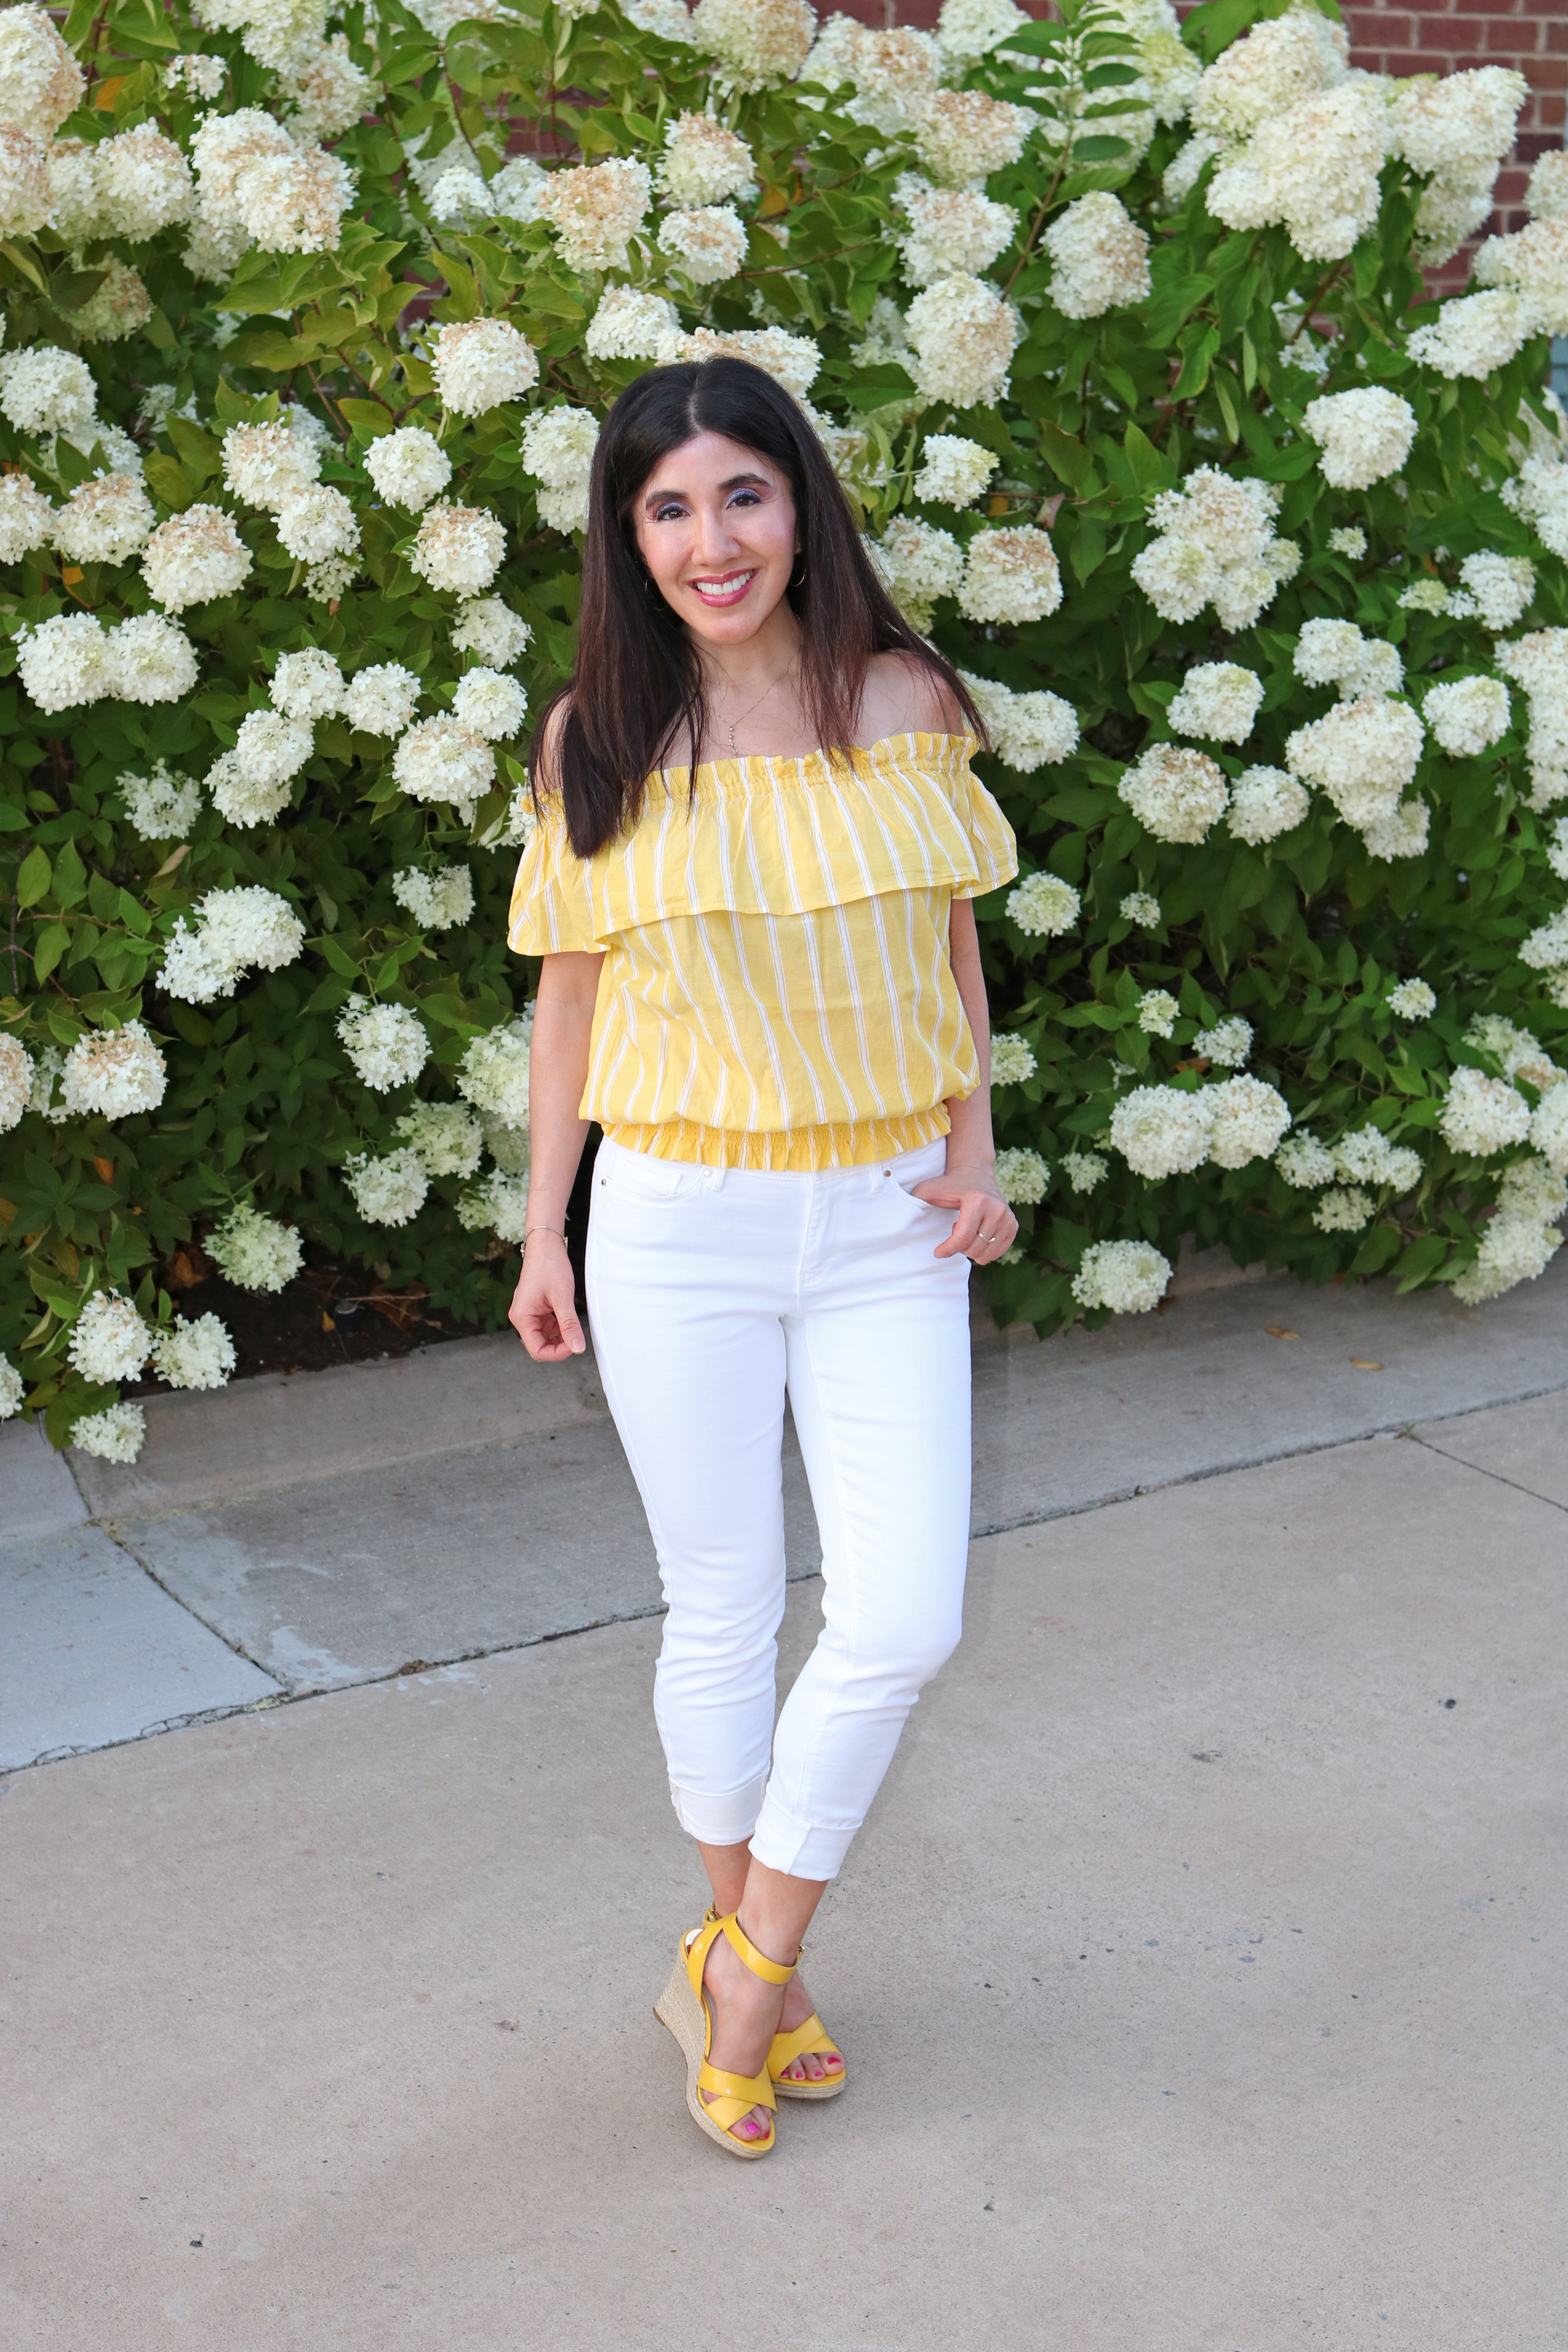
[532, 1230]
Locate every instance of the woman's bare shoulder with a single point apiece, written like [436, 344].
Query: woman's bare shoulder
[547, 747]
[904, 696]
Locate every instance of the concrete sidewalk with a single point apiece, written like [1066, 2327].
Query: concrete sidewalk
[1201, 1971]
[291, 1535]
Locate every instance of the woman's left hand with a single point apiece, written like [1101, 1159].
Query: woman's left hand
[984, 1228]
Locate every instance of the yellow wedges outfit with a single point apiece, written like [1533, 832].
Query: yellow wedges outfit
[777, 1036]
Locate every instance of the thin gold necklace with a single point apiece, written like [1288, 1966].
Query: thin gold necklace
[731, 724]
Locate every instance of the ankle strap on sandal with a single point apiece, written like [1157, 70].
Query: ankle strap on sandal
[778, 1972]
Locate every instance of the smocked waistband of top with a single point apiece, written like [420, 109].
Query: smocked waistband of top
[803, 1149]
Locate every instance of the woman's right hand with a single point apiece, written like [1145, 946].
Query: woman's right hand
[544, 1310]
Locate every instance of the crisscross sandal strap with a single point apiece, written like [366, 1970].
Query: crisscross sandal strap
[810, 2040]
[733, 2096]
[778, 1972]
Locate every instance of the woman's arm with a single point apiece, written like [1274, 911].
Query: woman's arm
[984, 1226]
[544, 1310]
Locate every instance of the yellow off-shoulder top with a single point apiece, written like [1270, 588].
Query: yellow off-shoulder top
[777, 990]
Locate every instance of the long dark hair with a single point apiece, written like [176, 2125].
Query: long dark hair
[638, 689]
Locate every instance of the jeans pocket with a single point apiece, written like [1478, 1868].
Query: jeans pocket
[638, 1177]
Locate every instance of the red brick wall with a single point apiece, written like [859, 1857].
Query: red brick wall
[1426, 37]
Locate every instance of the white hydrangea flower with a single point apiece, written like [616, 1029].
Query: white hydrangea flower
[1101, 257]
[1367, 1157]
[1539, 663]
[1347, 539]
[1363, 755]
[45, 389]
[1012, 1060]
[25, 195]
[1028, 731]
[498, 1202]
[109, 1341]
[40, 81]
[12, 1389]
[381, 700]
[962, 336]
[1022, 1177]
[918, 564]
[455, 197]
[1157, 1012]
[104, 520]
[1335, 653]
[458, 549]
[198, 1355]
[480, 363]
[120, 307]
[490, 704]
[113, 1073]
[252, 179]
[265, 463]
[1520, 1051]
[1516, 1245]
[61, 661]
[494, 1073]
[1084, 1169]
[316, 523]
[1269, 70]
[707, 242]
[440, 760]
[147, 659]
[1043, 906]
[1532, 264]
[1312, 170]
[1412, 1000]
[1502, 586]
[143, 183]
[307, 685]
[236, 929]
[667, 19]
[1468, 716]
[1218, 699]
[1305, 1162]
[791, 360]
[756, 42]
[1343, 1208]
[595, 210]
[1010, 575]
[437, 902]
[255, 1252]
[446, 1137]
[269, 750]
[952, 230]
[1174, 793]
[703, 161]
[1365, 436]
[964, 136]
[516, 828]
[491, 630]
[630, 324]
[26, 518]
[1248, 1120]
[558, 447]
[387, 1043]
[1400, 832]
[1215, 544]
[1475, 334]
[18, 1070]
[390, 1190]
[969, 29]
[1228, 1043]
[1546, 948]
[193, 557]
[409, 467]
[1162, 1130]
[1142, 907]
[1549, 1129]
[1557, 849]
[953, 471]
[1128, 1277]
[119, 1431]
[327, 93]
[161, 806]
[1482, 1115]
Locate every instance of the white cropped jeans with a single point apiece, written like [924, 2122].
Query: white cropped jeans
[713, 1291]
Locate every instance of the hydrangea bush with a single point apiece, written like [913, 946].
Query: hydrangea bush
[1116, 333]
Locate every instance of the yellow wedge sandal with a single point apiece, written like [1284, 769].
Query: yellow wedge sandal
[685, 2009]
[811, 2039]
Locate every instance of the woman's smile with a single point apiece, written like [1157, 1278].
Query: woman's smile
[725, 588]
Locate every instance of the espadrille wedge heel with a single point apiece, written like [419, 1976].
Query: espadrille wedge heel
[685, 2009]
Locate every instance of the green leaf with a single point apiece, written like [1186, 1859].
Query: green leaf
[33, 877]
[48, 947]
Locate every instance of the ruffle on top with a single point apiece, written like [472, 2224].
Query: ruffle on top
[771, 836]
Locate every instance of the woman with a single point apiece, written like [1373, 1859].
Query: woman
[761, 975]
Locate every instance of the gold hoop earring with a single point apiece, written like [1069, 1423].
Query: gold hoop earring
[801, 582]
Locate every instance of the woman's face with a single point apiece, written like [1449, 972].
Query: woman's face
[716, 527]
